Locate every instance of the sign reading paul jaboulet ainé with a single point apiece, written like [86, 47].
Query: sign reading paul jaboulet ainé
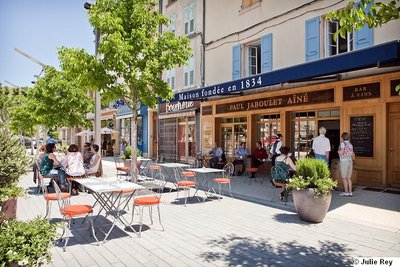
[314, 97]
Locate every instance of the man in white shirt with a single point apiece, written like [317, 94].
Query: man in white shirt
[276, 149]
[322, 146]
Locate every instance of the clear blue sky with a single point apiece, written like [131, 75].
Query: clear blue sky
[39, 27]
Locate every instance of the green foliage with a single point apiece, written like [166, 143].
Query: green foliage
[63, 149]
[58, 101]
[128, 152]
[14, 161]
[354, 17]
[26, 243]
[312, 173]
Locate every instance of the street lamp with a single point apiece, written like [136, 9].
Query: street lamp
[97, 96]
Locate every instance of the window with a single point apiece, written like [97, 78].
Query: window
[189, 14]
[171, 78]
[189, 73]
[172, 23]
[268, 126]
[340, 45]
[254, 59]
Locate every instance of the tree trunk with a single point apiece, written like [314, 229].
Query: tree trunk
[134, 170]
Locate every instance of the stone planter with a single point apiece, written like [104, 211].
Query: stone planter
[309, 208]
[9, 208]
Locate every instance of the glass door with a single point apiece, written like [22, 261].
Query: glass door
[233, 132]
[226, 140]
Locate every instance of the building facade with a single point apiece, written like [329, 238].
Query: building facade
[273, 67]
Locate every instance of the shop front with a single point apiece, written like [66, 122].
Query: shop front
[366, 107]
[178, 130]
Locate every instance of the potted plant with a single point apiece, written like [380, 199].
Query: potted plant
[127, 157]
[26, 243]
[311, 188]
[14, 162]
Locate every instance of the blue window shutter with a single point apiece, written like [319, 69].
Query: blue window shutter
[266, 53]
[312, 39]
[236, 62]
[365, 36]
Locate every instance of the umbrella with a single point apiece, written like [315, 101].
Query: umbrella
[106, 130]
[85, 133]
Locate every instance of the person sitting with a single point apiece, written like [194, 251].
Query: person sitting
[258, 157]
[217, 155]
[49, 162]
[241, 154]
[87, 154]
[73, 165]
[284, 162]
[94, 166]
[42, 150]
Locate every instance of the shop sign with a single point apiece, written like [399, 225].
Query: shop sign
[178, 106]
[314, 97]
[362, 135]
[362, 91]
[393, 85]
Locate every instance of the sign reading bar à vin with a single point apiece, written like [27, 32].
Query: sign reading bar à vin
[322, 96]
[362, 135]
[362, 91]
[393, 85]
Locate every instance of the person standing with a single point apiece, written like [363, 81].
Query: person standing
[346, 155]
[104, 148]
[322, 146]
[275, 150]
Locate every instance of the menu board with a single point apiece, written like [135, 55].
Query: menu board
[362, 135]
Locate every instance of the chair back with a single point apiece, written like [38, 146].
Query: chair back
[117, 161]
[279, 174]
[61, 202]
[159, 181]
[177, 174]
[228, 168]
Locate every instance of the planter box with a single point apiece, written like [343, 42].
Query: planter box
[310, 208]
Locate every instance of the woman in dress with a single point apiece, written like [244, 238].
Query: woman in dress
[73, 165]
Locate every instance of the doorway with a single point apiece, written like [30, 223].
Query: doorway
[394, 145]
[333, 134]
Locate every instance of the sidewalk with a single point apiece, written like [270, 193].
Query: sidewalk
[234, 232]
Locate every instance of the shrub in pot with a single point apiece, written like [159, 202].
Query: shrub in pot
[311, 187]
[26, 243]
[14, 162]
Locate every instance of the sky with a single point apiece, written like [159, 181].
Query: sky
[39, 27]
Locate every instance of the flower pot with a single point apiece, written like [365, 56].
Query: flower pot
[9, 208]
[310, 208]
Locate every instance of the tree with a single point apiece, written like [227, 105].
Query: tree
[57, 101]
[355, 16]
[134, 53]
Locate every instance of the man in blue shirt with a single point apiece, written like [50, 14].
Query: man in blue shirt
[216, 154]
[241, 154]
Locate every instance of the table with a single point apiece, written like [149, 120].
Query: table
[172, 165]
[204, 182]
[102, 190]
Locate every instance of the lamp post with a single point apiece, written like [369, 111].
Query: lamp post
[97, 96]
[43, 66]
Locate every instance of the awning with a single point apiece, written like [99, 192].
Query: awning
[177, 115]
[387, 54]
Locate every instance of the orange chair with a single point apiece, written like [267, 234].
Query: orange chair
[120, 167]
[184, 180]
[250, 171]
[153, 170]
[150, 201]
[49, 197]
[70, 212]
[225, 180]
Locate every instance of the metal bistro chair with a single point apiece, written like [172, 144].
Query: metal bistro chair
[280, 177]
[184, 180]
[119, 166]
[150, 201]
[70, 212]
[225, 180]
[49, 197]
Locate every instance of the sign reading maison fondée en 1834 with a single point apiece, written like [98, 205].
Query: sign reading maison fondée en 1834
[322, 96]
